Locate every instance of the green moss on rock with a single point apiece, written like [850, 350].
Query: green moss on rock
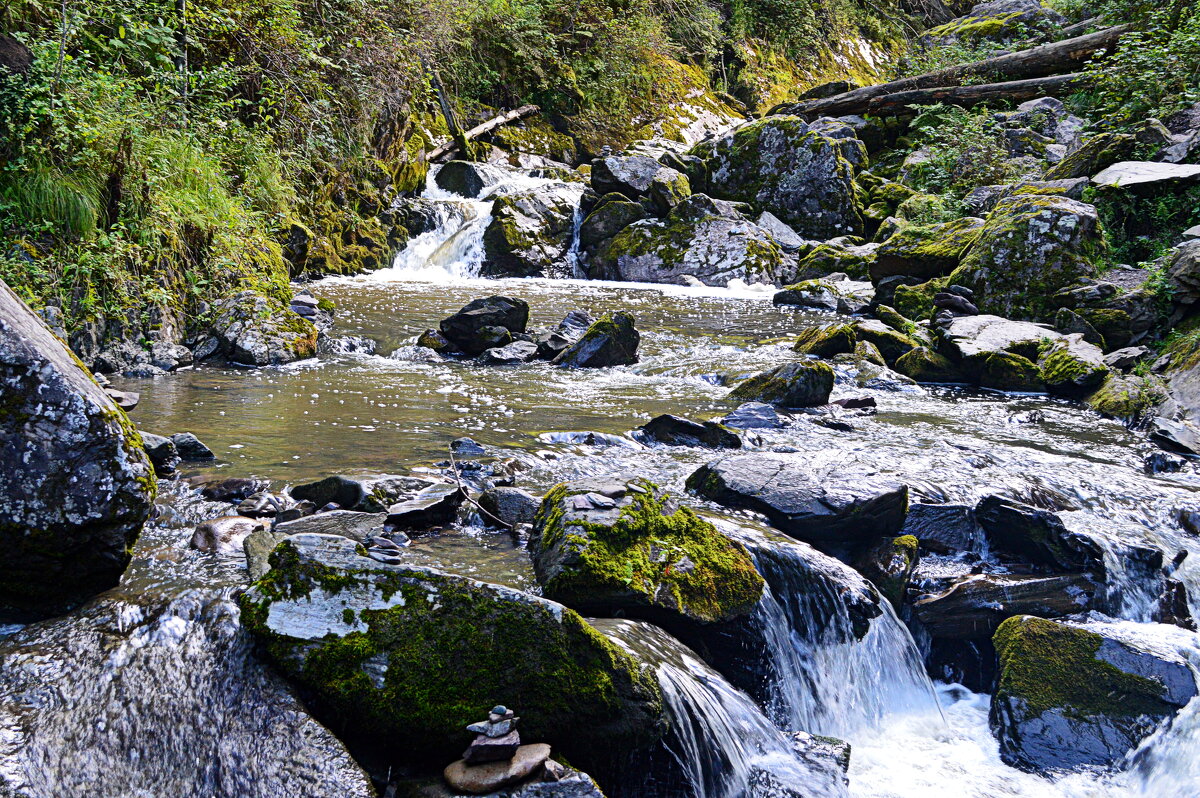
[826, 340]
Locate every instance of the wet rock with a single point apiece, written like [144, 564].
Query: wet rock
[512, 506]
[829, 258]
[476, 779]
[1030, 247]
[510, 355]
[346, 345]
[1162, 463]
[606, 220]
[434, 505]
[568, 331]
[925, 365]
[463, 178]
[611, 341]
[787, 238]
[368, 495]
[890, 342]
[944, 528]
[346, 523]
[1173, 606]
[530, 232]
[432, 646]
[983, 346]
[1071, 366]
[754, 415]
[254, 331]
[824, 294]
[702, 238]
[1129, 398]
[779, 165]
[224, 535]
[676, 431]
[126, 400]
[925, 251]
[467, 447]
[162, 453]
[234, 489]
[637, 176]
[190, 447]
[823, 509]
[76, 482]
[1072, 697]
[169, 357]
[826, 340]
[263, 505]
[889, 565]
[433, 339]
[468, 329]
[804, 383]
[1026, 534]
[604, 547]
[975, 606]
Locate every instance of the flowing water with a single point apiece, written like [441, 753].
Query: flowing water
[362, 414]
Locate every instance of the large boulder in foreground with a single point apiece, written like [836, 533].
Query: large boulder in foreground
[1030, 247]
[405, 657]
[607, 546]
[77, 486]
[1075, 697]
[827, 510]
[475, 326]
[253, 330]
[780, 165]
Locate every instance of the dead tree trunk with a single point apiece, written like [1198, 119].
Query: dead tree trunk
[968, 96]
[479, 130]
[1037, 62]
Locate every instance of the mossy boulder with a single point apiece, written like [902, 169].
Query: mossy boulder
[530, 232]
[1008, 371]
[611, 341]
[804, 383]
[841, 296]
[1073, 697]
[891, 343]
[779, 164]
[255, 330]
[853, 260]
[402, 658]
[1031, 247]
[609, 217]
[703, 238]
[611, 547]
[998, 21]
[916, 301]
[1128, 398]
[926, 365]
[889, 565]
[826, 340]
[925, 251]
[76, 482]
[1094, 154]
[1072, 366]
[637, 176]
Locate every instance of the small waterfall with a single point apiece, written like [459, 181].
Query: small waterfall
[719, 739]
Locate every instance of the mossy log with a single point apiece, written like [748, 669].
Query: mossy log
[503, 119]
[905, 102]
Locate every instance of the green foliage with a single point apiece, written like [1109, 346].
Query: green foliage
[1142, 228]
[965, 152]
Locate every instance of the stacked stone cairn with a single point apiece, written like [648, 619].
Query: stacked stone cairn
[496, 758]
[496, 738]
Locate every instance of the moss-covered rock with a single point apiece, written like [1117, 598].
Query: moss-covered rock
[998, 21]
[610, 216]
[779, 165]
[701, 237]
[1072, 366]
[607, 547]
[1008, 371]
[255, 330]
[1128, 398]
[611, 341]
[1095, 153]
[821, 295]
[826, 340]
[824, 259]
[925, 251]
[530, 232]
[536, 136]
[1030, 247]
[891, 343]
[1070, 697]
[402, 658]
[925, 365]
[804, 383]
[889, 566]
[916, 301]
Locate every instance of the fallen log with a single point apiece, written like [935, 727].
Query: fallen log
[967, 96]
[479, 130]
[1037, 62]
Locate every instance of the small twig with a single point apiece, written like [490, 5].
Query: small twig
[467, 494]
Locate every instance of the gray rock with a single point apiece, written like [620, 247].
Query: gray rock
[530, 232]
[224, 535]
[512, 506]
[434, 505]
[823, 509]
[611, 341]
[162, 452]
[234, 489]
[634, 176]
[126, 400]
[787, 238]
[517, 763]
[803, 383]
[464, 178]
[754, 415]
[1025, 534]
[190, 447]
[1146, 174]
[257, 547]
[468, 329]
[676, 431]
[76, 482]
[367, 494]
[513, 354]
[606, 220]
[346, 523]
[254, 331]
[944, 528]
[1125, 359]
[1183, 272]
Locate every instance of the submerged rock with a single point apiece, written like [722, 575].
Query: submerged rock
[605, 547]
[823, 509]
[403, 657]
[1075, 697]
[611, 341]
[191, 448]
[76, 482]
[804, 383]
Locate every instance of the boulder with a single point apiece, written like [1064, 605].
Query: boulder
[606, 220]
[1146, 175]
[703, 238]
[826, 340]
[347, 523]
[637, 176]
[224, 535]
[925, 365]
[611, 341]
[824, 294]
[925, 251]
[1071, 366]
[404, 657]
[191, 448]
[1073, 697]
[568, 331]
[779, 165]
[604, 546]
[944, 528]
[891, 343]
[1183, 272]
[889, 565]
[234, 489]
[76, 482]
[974, 606]
[997, 21]
[366, 494]
[253, 330]
[833, 509]
[530, 232]
[431, 506]
[754, 415]
[803, 383]
[1093, 155]
[1019, 532]
[1030, 247]
[512, 506]
[491, 776]
[471, 329]
[464, 178]
[162, 453]
[822, 260]
[1128, 398]
[676, 431]
[789, 241]
[511, 354]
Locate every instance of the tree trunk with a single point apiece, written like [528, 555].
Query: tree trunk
[1037, 62]
[967, 96]
[479, 130]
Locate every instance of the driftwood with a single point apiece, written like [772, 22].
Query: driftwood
[1037, 62]
[967, 96]
[479, 130]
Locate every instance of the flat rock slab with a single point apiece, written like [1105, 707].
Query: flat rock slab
[822, 509]
[1145, 173]
[479, 779]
